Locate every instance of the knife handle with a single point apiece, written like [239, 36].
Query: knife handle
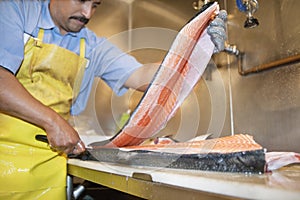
[84, 156]
[42, 138]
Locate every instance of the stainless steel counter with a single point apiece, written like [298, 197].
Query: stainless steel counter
[163, 183]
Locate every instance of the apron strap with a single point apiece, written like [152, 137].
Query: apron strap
[41, 36]
[39, 40]
[82, 48]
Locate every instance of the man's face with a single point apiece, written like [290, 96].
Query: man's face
[72, 15]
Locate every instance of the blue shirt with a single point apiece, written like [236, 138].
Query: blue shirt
[105, 60]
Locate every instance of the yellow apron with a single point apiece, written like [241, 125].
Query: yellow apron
[29, 169]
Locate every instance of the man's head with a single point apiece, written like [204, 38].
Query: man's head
[72, 15]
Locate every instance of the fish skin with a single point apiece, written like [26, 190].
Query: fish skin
[276, 160]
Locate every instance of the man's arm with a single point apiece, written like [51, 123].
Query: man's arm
[16, 101]
[142, 77]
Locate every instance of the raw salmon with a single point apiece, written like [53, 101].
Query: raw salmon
[223, 145]
[276, 160]
[240, 143]
[238, 153]
[177, 75]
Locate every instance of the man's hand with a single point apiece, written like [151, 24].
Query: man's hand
[16, 101]
[217, 31]
[62, 137]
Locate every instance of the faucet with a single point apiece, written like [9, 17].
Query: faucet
[197, 5]
[249, 7]
[231, 49]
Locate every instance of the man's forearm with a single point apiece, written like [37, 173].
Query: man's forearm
[142, 77]
[16, 101]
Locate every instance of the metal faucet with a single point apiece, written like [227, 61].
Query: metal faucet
[197, 5]
[231, 49]
[249, 7]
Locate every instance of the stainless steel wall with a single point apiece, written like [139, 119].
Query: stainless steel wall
[265, 105]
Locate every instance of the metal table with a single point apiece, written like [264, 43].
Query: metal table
[166, 183]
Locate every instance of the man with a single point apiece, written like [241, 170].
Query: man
[48, 61]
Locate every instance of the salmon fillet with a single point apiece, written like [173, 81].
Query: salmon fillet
[238, 153]
[177, 75]
[228, 144]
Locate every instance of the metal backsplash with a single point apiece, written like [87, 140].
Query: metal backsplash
[265, 105]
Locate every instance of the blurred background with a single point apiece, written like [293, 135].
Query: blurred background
[231, 97]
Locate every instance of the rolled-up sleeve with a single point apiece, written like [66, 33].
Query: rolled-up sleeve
[109, 63]
[114, 66]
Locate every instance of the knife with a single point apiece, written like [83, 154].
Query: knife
[86, 155]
